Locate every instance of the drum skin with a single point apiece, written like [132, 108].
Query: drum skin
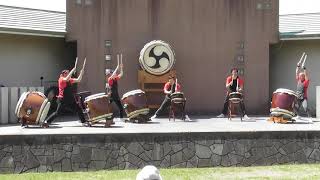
[99, 107]
[135, 103]
[235, 97]
[29, 107]
[283, 103]
[157, 57]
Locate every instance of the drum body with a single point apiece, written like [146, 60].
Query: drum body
[177, 97]
[235, 97]
[135, 103]
[32, 108]
[283, 101]
[98, 107]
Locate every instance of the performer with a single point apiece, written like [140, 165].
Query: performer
[65, 81]
[233, 84]
[112, 85]
[302, 86]
[170, 87]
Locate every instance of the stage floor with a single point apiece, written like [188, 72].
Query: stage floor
[70, 125]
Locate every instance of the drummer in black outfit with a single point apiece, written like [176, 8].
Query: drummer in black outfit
[112, 86]
[65, 84]
[233, 84]
[169, 88]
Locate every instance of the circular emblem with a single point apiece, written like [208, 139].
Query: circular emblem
[157, 57]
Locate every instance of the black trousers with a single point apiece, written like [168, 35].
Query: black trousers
[55, 114]
[165, 104]
[119, 105]
[226, 105]
[304, 103]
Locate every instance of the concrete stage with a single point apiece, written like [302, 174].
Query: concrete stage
[70, 125]
[204, 142]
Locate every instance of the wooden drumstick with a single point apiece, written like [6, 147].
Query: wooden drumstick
[75, 64]
[121, 58]
[237, 85]
[300, 61]
[118, 59]
[176, 85]
[304, 60]
[84, 63]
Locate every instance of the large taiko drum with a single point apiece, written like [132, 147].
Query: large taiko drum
[98, 107]
[32, 108]
[283, 101]
[135, 103]
[157, 57]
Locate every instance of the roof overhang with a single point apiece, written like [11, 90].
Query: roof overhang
[32, 32]
[300, 37]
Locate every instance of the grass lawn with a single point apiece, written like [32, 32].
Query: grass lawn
[305, 171]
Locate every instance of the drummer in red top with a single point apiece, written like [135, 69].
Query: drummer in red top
[65, 81]
[170, 87]
[302, 88]
[112, 86]
[233, 84]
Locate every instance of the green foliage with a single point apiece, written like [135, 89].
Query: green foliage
[304, 171]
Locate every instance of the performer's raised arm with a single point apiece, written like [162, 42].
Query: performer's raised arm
[121, 67]
[114, 74]
[305, 74]
[68, 77]
[165, 89]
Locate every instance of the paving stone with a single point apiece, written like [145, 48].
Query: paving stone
[204, 163]
[176, 147]
[215, 160]
[97, 165]
[203, 152]
[42, 168]
[188, 153]
[99, 154]
[315, 155]
[66, 165]
[135, 148]
[176, 158]
[76, 149]
[7, 162]
[7, 149]
[18, 167]
[85, 154]
[217, 149]
[38, 152]
[58, 155]
[30, 161]
[56, 166]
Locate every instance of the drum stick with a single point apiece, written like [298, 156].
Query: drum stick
[75, 64]
[304, 61]
[84, 63]
[300, 61]
[176, 85]
[118, 59]
[121, 58]
[237, 84]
